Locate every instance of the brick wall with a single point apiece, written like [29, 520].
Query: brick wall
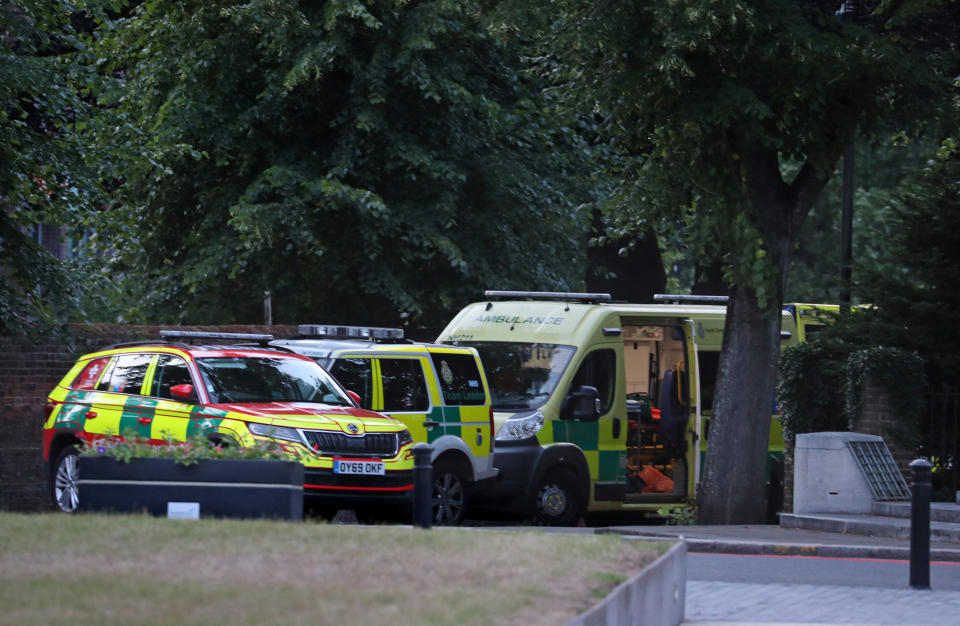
[29, 369]
[875, 419]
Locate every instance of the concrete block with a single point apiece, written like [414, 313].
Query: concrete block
[826, 476]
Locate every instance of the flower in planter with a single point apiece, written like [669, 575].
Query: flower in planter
[130, 446]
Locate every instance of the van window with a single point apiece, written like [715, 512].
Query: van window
[171, 371]
[599, 369]
[404, 388]
[127, 374]
[522, 375]
[460, 379]
[356, 375]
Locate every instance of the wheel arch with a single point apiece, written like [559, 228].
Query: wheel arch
[60, 441]
[454, 450]
[562, 456]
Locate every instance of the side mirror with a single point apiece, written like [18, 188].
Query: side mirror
[182, 392]
[354, 396]
[586, 404]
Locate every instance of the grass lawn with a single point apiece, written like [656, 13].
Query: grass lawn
[97, 569]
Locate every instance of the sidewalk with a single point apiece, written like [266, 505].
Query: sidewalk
[710, 603]
[770, 539]
[715, 603]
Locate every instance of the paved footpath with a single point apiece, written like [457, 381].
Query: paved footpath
[719, 603]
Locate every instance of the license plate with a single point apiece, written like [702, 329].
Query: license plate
[351, 466]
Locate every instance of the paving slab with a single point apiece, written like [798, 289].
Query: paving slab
[710, 603]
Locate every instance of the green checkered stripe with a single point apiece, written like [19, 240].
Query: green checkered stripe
[610, 464]
[204, 420]
[73, 409]
[450, 416]
[133, 409]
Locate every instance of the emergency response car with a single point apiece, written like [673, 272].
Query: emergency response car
[233, 395]
[439, 392]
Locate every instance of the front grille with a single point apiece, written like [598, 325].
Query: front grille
[371, 444]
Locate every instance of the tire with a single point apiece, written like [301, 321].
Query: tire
[559, 499]
[64, 485]
[450, 494]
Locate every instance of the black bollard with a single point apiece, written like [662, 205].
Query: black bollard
[920, 525]
[422, 485]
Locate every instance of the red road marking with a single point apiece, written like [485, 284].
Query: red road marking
[827, 558]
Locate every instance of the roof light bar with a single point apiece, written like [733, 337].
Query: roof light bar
[550, 295]
[195, 334]
[351, 332]
[678, 298]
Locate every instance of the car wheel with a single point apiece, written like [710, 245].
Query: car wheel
[64, 485]
[559, 499]
[450, 498]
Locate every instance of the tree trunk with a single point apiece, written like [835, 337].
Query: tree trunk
[733, 487]
[632, 277]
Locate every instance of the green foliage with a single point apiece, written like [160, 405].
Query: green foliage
[810, 390]
[679, 516]
[365, 162]
[189, 452]
[43, 177]
[726, 118]
[914, 308]
[902, 375]
[821, 384]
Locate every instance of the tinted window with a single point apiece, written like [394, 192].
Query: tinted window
[459, 379]
[127, 374]
[521, 375]
[355, 375]
[171, 371]
[404, 388]
[598, 370]
[91, 374]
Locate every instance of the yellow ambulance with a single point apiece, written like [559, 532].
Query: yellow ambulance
[439, 392]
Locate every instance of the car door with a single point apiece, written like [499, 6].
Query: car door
[117, 406]
[406, 396]
[172, 415]
[466, 404]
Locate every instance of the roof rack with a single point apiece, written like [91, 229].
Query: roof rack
[133, 344]
[551, 295]
[678, 298]
[370, 333]
[195, 334]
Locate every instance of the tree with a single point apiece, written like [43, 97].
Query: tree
[365, 162]
[729, 118]
[41, 167]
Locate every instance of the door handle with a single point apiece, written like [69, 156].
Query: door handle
[430, 424]
[145, 420]
[616, 428]
[90, 415]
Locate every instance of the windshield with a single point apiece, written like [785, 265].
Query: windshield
[521, 375]
[268, 379]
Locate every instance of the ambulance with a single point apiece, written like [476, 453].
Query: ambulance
[439, 392]
[598, 405]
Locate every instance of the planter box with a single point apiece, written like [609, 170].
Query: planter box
[219, 487]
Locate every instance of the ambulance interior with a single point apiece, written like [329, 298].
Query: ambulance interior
[657, 410]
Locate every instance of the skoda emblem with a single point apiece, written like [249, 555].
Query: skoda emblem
[353, 428]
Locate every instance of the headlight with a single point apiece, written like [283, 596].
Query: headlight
[276, 432]
[521, 427]
[403, 438]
